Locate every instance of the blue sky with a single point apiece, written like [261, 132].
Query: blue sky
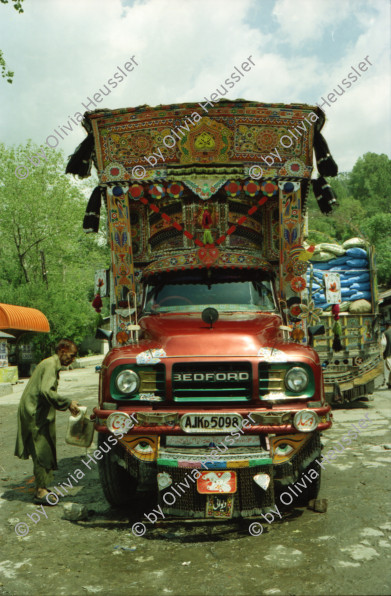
[63, 50]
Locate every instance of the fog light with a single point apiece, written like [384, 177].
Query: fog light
[119, 422]
[305, 421]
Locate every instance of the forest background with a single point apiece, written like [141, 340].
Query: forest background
[48, 262]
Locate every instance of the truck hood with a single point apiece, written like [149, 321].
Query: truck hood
[233, 335]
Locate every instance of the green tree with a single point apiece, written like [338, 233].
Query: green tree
[47, 261]
[343, 222]
[370, 182]
[378, 231]
[363, 211]
[8, 74]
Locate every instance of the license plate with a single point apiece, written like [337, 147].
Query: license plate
[213, 482]
[204, 423]
[219, 506]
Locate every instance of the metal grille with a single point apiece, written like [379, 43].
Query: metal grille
[152, 379]
[344, 373]
[304, 457]
[270, 379]
[214, 389]
[250, 499]
[359, 391]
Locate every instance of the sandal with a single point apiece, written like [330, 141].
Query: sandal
[43, 501]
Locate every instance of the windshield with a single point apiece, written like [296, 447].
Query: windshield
[230, 295]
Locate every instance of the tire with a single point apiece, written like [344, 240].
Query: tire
[338, 398]
[313, 488]
[118, 485]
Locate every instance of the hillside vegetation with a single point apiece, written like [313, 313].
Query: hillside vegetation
[364, 197]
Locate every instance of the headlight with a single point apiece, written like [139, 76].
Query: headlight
[296, 379]
[128, 381]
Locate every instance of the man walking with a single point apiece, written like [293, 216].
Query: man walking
[387, 355]
[37, 416]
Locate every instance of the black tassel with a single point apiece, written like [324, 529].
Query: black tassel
[337, 346]
[324, 194]
[92, 214]
[80, 162]
[324, 160]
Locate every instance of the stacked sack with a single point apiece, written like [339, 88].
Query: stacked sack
[351, 262]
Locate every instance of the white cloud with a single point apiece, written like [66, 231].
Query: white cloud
[63, 51]
[360, 120]
[304, 20]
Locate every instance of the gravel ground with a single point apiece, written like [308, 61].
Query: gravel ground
[343, 551]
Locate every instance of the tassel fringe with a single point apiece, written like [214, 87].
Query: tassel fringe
[324, 194]
[92, 214]
[80, 162]
[324, 160]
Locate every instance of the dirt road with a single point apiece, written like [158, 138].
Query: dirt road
[344, 551]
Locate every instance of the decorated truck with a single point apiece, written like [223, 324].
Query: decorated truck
[210, 387]
[349, 349]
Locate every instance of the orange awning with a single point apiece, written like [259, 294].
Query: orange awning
[23, 318]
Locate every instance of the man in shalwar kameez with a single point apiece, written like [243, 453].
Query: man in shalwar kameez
[37, 416]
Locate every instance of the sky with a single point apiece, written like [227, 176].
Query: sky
[63, 51]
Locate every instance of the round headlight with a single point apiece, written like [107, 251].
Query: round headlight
[296, 379]
[128, 381]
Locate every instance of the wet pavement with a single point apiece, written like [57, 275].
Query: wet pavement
[343, 551]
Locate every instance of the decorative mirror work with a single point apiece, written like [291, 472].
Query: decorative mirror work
[165, 142]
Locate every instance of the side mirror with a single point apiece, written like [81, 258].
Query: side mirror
[315, 330]
[104, 334]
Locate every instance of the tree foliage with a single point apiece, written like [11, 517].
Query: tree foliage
[47, 261]
[378, 231]
[364, 210]
[8, 74]
[370, 182]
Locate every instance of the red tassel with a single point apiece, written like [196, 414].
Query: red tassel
[335, 311]
[97, 303]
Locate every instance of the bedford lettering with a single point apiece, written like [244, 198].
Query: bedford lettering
[213, 377]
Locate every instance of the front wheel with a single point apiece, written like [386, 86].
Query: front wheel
[312, 488]
[118, 485]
